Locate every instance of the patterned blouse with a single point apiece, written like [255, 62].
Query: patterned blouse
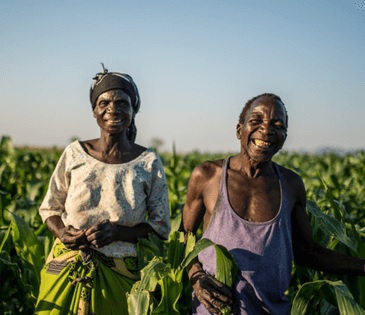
[85, 191]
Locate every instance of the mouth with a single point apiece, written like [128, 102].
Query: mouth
[113, 121]
[262, 144]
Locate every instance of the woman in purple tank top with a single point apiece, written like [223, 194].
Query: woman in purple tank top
[256, 209]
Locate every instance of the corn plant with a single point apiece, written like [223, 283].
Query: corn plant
[325, 297]
[336, 202]
[21, 260]
[162, 280]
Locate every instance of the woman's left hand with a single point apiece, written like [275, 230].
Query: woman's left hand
[101, 234]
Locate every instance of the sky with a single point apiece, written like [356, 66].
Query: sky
[195, 62]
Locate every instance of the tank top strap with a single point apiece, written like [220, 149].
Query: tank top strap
[283, 188]
[223, 185]
[222, 194]
[277, 170]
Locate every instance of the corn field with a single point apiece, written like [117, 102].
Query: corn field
[335, 186]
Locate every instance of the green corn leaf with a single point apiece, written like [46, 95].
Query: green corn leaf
[14, 288]
[148, 248]
[171, 289]
[139, 299]
[138, 303]
[176, 249]
[151, 274]
[345, 300]
[5, 259]
[5, 242]
[333, 226]
[226, 267]
[190, 242]
[308, 298]
[199, 246]
[27, 246]
[33, 189]
[175, 222]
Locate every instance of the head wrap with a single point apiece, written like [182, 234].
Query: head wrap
[106, 81]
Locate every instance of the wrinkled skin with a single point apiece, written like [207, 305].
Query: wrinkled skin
[113, 111]
[71, 237]
[264, 130]
[101, 234]
[213, 294]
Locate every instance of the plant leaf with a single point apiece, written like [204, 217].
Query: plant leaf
[226, 269]
[332, 225]
[171, 288]
[138, 303]
[307, 298]
[199, 246]
[175, 253]
[27, 246]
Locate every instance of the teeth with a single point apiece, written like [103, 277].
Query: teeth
[262, 144]
[114, 121]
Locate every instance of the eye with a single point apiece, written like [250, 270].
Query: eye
[122, 104]
[280, 124]
[103, 104]
[254, 121]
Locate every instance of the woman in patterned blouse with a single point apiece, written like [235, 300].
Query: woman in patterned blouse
[103, 196]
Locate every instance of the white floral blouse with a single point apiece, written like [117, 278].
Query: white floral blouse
[85, 191]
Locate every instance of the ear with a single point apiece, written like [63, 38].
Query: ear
[238, 131]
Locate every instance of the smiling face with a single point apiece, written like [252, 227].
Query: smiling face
[263, 131]
[113, 111]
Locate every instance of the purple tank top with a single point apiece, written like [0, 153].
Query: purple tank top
[262, 251]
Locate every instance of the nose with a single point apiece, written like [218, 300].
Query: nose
[113, 108]
[267, 128]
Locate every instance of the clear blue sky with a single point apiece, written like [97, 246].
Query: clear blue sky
[196, 62]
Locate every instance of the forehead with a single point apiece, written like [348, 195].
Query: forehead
[265, 105]
[113, 94]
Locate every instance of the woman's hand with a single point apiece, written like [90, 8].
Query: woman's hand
[101, 234]
[73, 238]
[213, 294]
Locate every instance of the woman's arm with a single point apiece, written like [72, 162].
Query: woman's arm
[107, 232]
[72, 238]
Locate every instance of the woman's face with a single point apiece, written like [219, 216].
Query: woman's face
[113, 111]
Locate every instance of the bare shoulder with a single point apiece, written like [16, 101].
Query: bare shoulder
[207, 170]
[204, 178]
[202, 194]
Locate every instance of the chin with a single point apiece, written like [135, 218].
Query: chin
[264, 157]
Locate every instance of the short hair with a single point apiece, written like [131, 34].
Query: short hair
[271, 96]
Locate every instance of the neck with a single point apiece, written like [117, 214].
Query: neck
[113, 142]
[252, 168]
[115, 148]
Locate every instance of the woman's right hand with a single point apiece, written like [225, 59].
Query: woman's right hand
[73, 238]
